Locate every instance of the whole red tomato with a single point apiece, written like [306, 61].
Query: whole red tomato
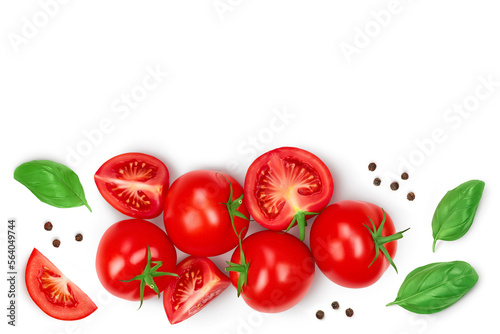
[277, 270]
[285, 187]
[199, 209]
[134, 259]
[353, 243]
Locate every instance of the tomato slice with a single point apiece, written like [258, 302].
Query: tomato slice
[286, 186]
[199, 282]
[53, 292]
[134, 184]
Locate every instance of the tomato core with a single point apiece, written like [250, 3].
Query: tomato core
[128, 186]
[190, 281]
[56, 288]
[283, 180]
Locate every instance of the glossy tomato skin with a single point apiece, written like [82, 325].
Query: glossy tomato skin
[122, 255]
[134, 184]
[53, 292]
[280, 274]
[294, 179]
[343, 247]
[196, 220]
[199, 282]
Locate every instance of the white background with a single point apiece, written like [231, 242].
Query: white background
[231, 71]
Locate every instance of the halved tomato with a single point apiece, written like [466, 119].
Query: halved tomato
[286, 186]
[53, 292]
[199, 282]
[134, 184]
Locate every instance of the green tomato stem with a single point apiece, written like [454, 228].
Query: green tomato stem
[243, 266]
[148, 275]
[300, 219]
[379, 240]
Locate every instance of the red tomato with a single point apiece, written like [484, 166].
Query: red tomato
[199, 282]
[53, 292]
[284, 186]
[122, 261]
[196, 216]
[134, 184]
[279, 274]
[343, 243]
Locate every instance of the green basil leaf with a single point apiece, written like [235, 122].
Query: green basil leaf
[456, 211]
[52, 183]
[436, 286]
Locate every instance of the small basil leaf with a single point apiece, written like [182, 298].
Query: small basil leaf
[436, 286]
[456, 211]
[52, 183]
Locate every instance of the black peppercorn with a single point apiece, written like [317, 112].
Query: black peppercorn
[394, 186]
[372, 166]
[377, 181]
[56, 243]
[47, 226]
[404, 176]
[320, 314]
[349, 312]
[79, 237]
[335, 305]
[410, 196]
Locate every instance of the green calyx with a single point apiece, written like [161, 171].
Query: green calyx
[300, 219]
[379, 240]
[148, 275]
[242, 267]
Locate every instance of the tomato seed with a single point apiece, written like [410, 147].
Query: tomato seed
[349, 312]
[335, 305]
[404, 176]
[79, 237]
[47, 226]
[372, 166]
[320, 314]
[394, 186]
[56, 243]
[410, 196]
[377, 181]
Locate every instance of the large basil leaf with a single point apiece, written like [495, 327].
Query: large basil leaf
[52, 183]
[456, 211]
[436, 286]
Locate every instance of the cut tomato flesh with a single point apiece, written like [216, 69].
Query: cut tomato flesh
[133, 194]
[134, 183]
[56, 288]
[129, 185]
[282, 182]
[54, 293]
[285, 187]
[199, 282]
[135, 171]
[189, 282]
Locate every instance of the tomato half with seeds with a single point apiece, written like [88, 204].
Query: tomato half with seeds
[53, 292]
[286, 186]
[199, 282]
[134, 184]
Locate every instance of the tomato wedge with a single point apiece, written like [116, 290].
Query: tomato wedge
[199, 282]
[53, 292]
[286, 186]
[134, 184]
